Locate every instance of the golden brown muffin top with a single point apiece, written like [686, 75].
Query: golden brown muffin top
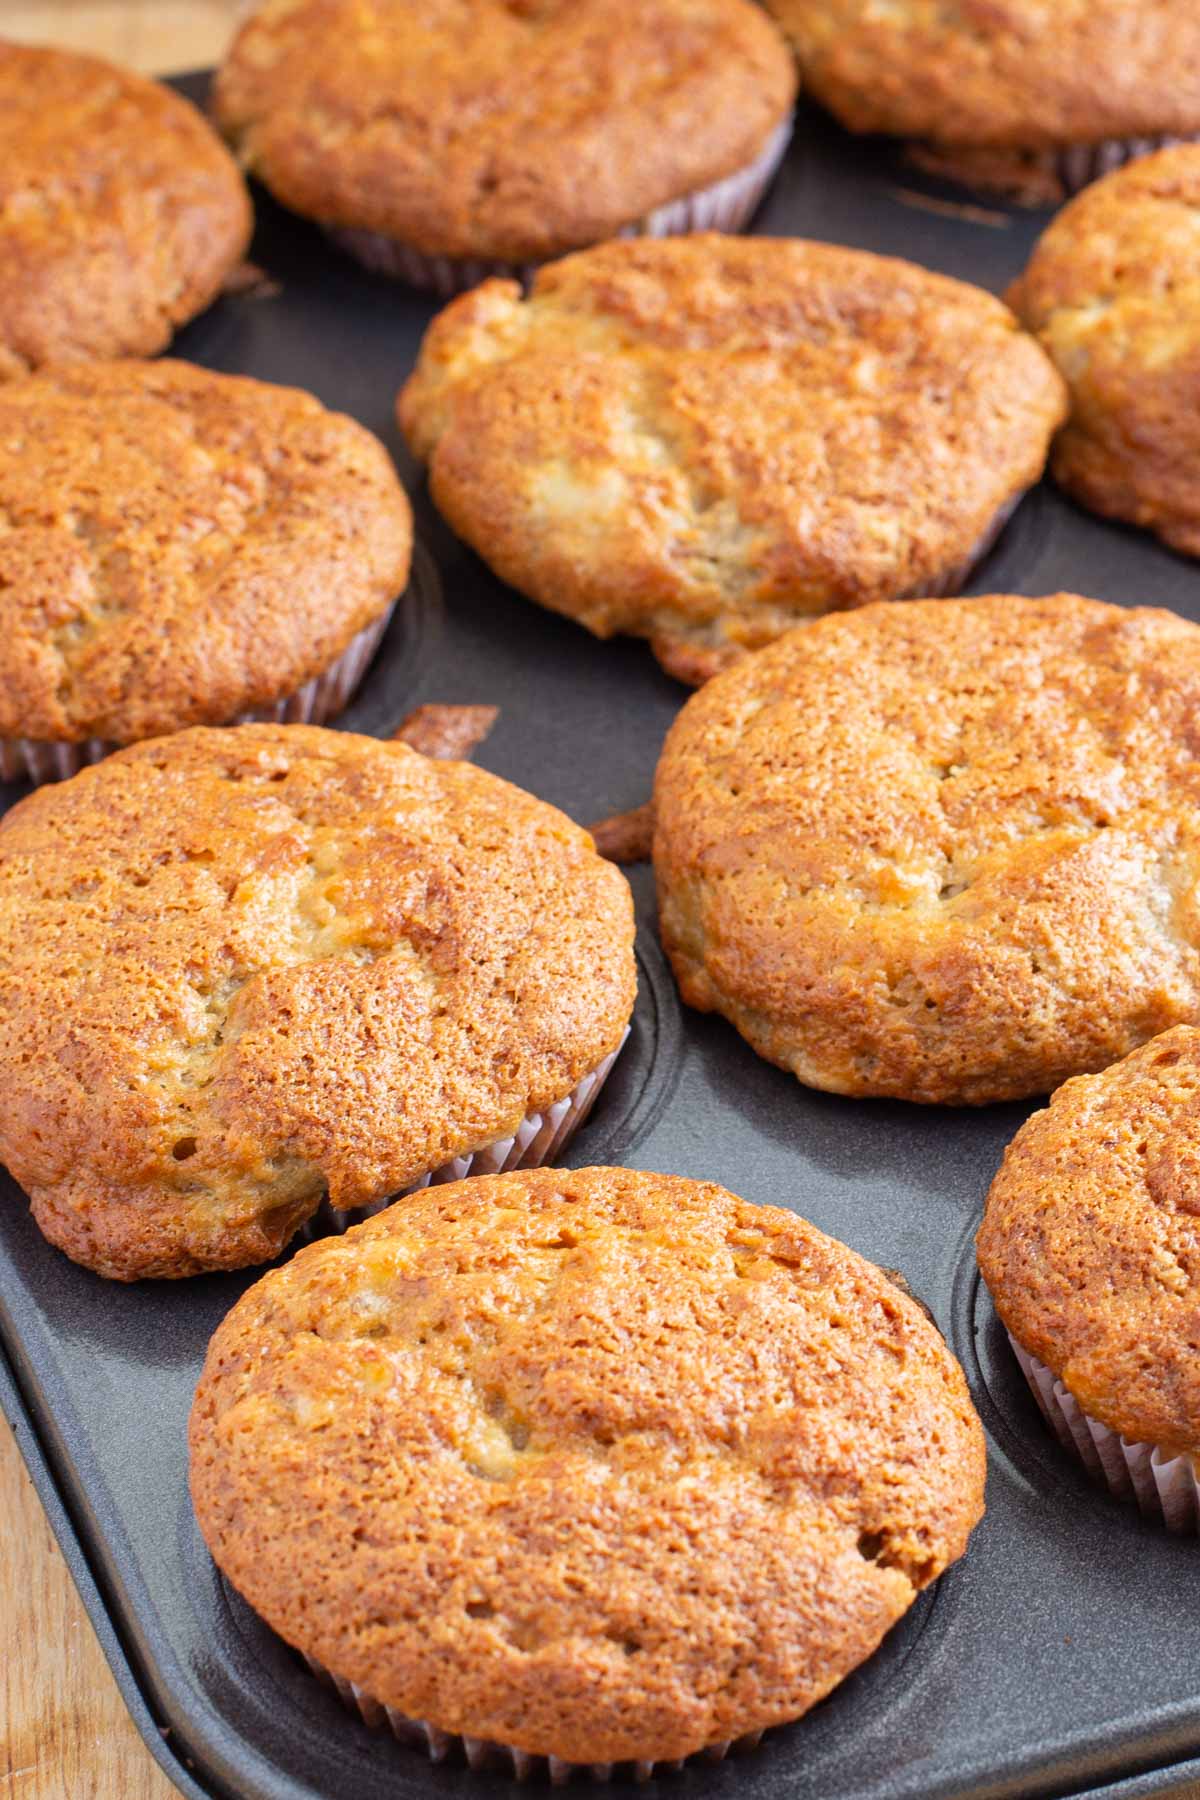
[944, 852]
[1090, 1242]
[1113, 293]
[600, 1464]
[177, 547]
[500, 128]
[1006, 73]
[240, 969]
[703, 440]
[121, 212]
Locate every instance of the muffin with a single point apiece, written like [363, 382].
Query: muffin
[1113, 293]
[945, 852]
[601, 1467]
[182, 548]
[1090, 1248]
[121, 212]
[242, 970]
[705, 440]
[449, 140]
[1018, 96]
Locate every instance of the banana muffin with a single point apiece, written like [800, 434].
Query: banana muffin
[243, 969]
[441, 141]
[603, 1467]
[1113, 293]
[182, 548]
[706, 440]
[1090, 1246]
[121, 212]
[944, 852]
[1033, 98]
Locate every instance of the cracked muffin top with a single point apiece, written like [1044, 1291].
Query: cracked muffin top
[512, 129]
[704, 440]
[1021, 74]
[944, 852]
[178, 547]
[598, 1464]
[242, 969]
[1113, 293]
[1090, 1242]
[121, 212]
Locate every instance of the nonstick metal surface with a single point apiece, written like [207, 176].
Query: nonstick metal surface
[1063, 1655]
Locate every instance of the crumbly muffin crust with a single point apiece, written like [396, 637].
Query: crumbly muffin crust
[178, 547]
[243, 968]
[599, 1464]
[943, 852]
[121, 212]
[705, 440]
[1090, 1242]
[512, 129]
[1002, 74]
[1113, 293]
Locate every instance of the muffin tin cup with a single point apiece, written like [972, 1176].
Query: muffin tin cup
[320, 699]
[538, 1139]
[1165, 1488]
[726, 205]
[484, 1753]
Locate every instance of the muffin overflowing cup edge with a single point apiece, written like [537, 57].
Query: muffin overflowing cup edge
[538, 1139]
[321, 698]
[725, 205]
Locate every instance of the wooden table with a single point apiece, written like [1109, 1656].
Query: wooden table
[64, 1731]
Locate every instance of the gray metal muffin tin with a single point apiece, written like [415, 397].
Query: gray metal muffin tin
[1062, 1656]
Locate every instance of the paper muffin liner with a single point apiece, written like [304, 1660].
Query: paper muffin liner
[724, 206]
[321, 698]
[538, 1139]
[1078, 165]
[1165, 1488]
[484, 1753]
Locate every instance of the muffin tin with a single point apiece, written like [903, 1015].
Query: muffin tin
[1063, 1655]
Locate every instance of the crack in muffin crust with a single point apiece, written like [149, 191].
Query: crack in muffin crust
[601, 1464]
[241, 969]
[706, 440]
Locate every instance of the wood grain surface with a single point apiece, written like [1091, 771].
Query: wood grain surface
[64, 1731]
